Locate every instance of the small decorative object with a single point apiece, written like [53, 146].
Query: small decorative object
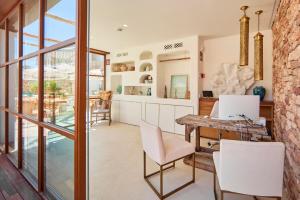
[116, 68]
[119, 89]
[201, 56]
[231, 79]
[207, 93]
[187, 95]
[261, 91]
[258, 52]
[148, 68]
[166, 92]
[179, 86]
[123, 68]
[131, 68]
[149, 92]
[244, 37]
[131, 90]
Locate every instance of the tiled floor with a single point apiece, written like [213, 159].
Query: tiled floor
[13, 186]
[116, 169]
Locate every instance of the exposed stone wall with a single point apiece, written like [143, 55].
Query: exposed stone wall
[286, 90]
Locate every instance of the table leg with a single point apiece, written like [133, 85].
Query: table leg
[198, 149]
[188, 131]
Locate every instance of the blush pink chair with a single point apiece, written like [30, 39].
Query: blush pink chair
[249, 168]
[164, 152]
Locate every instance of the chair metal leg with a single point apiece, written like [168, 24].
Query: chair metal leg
[215, 186]
[161, 182]
[160, 172]
[144, 156]
[194, 166]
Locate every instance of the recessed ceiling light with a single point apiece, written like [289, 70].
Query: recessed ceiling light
[125, 25]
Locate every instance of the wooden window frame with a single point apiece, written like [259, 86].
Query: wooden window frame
[79, 134]
[104, 54]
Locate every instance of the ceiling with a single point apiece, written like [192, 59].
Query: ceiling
[6, 6]
[160, 20]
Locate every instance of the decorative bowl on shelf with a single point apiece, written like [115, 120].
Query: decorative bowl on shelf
[131, 68]
[116, 68]
[123, 68]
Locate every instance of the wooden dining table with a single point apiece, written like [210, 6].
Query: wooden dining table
[204, 154]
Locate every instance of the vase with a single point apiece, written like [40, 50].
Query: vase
[261, 91]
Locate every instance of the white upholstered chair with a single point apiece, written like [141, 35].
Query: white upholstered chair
[250, 168]
[164, 152]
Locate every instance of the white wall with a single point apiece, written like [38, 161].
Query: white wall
[226, 50]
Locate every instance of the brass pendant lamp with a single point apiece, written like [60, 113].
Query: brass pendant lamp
[258, 52]
[244, 37]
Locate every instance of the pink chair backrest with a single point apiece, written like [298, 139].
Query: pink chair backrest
[253, 168]
[152, 142]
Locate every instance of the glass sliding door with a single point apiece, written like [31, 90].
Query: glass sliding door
[39, 81]
[59, 162]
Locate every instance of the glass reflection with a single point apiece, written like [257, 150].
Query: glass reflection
[13, 40]
[13, 138]
[2, 86]
[59, 87]
[2, 43]
[13, 87]
[30, 87]
[30, 150]
[2, 133]
[59, 158]
[60, 19]
[30, 26]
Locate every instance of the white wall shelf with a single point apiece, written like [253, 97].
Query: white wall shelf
[154, 108]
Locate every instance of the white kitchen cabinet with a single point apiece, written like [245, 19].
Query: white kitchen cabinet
[181, 111]
[167, 118]
[130, 112]
[152, 113]
[115, 111]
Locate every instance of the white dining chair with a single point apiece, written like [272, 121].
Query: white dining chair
[249, 168]
[164, 152]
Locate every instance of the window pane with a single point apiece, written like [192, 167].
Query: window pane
[13, 29]
[2, 130]
[2, 43]
[59, 87]
[2, 86]
[96, 64]
[96, 85]
[13, 87]
[30, 26]
[30, 87]
[13, 138]
[59, 164]
[59, 21]
[30, 149]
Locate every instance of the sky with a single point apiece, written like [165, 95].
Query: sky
[53, 29]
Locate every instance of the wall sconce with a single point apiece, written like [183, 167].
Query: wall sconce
[244, 37]
[258, 52]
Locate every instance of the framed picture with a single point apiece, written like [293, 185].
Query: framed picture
[179, 86]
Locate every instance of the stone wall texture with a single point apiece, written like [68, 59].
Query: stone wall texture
[286, 90]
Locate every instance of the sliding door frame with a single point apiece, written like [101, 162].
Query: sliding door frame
[79, 134]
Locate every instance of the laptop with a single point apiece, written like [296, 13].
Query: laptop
[232, 107]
